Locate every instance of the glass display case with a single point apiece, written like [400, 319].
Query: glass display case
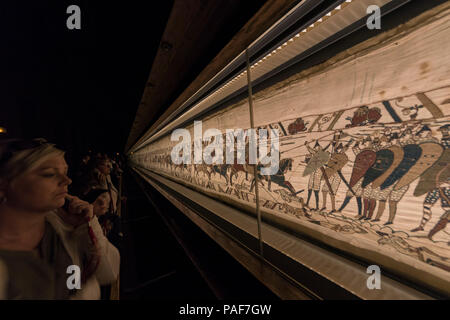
[363, 139]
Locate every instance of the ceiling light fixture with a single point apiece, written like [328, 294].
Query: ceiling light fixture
[307, 29]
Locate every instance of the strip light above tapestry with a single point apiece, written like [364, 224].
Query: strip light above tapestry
[273, 52]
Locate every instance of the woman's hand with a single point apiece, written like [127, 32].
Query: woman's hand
[77, 212]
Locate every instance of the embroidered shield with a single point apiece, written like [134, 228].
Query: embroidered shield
[318, 160]
[398, 157]
[383, 161]
[430, 178]
[336, 162]
[411, 153]
[431, 151]
[364, 160]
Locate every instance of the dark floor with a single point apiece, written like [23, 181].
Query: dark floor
[156, 266]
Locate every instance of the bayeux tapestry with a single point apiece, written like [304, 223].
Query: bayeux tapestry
[364, 151]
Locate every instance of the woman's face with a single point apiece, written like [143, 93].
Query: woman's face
[101, 204]
[41, 189]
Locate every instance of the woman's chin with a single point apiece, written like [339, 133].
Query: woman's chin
[60, 203]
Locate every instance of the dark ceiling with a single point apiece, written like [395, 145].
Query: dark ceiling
[81, 88]
[195, 39]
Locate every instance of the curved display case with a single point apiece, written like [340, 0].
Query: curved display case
[363, 174]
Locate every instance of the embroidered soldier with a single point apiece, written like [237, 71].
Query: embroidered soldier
[430, 154]
[383, 161]
[373, 192]
[411, 154]
[337, 161]
[319, 157]
[430, 200]
[425, 135]
[365, 158]
[430, 181]
[442, 192]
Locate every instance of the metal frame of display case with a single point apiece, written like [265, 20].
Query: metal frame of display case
[292, 266]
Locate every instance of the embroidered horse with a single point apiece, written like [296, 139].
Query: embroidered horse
[278, 178]
[202, 168]
[221, 169]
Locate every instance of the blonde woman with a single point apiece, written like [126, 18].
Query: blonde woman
[47, 252]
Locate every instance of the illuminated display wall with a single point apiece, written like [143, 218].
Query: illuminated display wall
[366, 137]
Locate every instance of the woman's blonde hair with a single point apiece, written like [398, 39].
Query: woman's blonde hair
[19, 156]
